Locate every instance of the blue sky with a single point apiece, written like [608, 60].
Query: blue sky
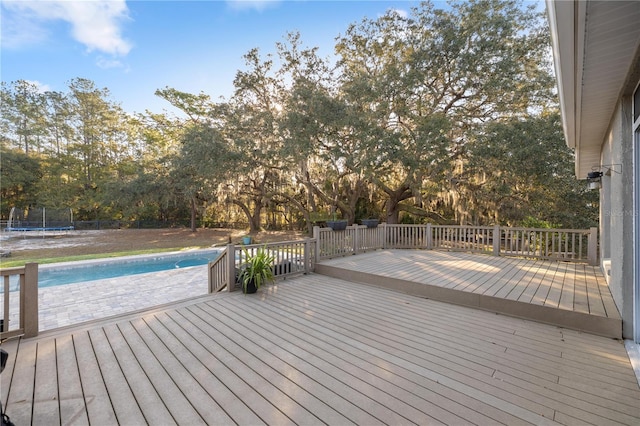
[135, 47]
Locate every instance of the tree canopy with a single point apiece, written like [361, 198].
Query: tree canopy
[444, 115]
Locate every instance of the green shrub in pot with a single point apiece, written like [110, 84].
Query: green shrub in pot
[257, 270]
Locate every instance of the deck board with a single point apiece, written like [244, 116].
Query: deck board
[607, 299]
[351, 391]
[568, 288]
[124, 400]
[72, 410]
[221, 365]
[155, 411]
[329, 351]
[319, 350]
[45, 390]
[185, 385]
[596, 305]
[218, 390]
[98, 401]
[178, 406]
[467, 371]
[566, 294]
[544, 286]
[440, 369]
[580, 298]
[20, 398]
[555, 289]
[249, 368]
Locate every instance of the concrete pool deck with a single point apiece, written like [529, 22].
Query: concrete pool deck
[72, 304]
[59, 306]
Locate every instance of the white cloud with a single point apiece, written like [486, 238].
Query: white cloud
[107, 63]
[19, 30]
[258, 5]
[402, 13]
[41, 87]
[94, 23]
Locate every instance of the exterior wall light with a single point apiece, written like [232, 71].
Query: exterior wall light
[594, 180]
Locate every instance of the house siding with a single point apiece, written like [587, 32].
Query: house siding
[617, 212]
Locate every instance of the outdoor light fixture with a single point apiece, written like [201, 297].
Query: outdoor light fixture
[594, 177]
[594, 180]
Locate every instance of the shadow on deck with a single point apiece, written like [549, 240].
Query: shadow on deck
[570, 295]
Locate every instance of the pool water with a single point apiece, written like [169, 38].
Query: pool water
[49, 277]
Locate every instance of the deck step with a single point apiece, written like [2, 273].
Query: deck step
[589, 323]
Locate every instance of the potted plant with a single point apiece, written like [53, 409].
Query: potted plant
[337, 225]
[257, 270]
[369, 223]
[246, 240]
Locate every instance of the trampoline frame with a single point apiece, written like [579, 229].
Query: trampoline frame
[40, 226]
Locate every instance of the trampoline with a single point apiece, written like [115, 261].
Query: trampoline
[40, 219]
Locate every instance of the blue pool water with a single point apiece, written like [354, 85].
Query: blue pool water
[49, 277]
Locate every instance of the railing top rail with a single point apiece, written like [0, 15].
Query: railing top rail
[577, 231]
[274, 244]
[12, 271]
[222, 254]
[462, 226]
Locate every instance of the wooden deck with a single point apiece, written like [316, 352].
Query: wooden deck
[572, 295]
[319, 350]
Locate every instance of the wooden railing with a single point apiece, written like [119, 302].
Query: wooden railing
[20, 294]
[405, 236]
[290, 258]
[20, 291]
[558, 244]
[219, 271]
[476, 239]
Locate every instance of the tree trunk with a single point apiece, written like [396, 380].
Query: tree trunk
[254, 219]
[393, 203]
[393, 211]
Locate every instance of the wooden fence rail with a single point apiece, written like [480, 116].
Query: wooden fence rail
[576, 245]
[290, 258]
[561, 244]
[219, 271]
[478, 239]
[20, 283]
[296, 257]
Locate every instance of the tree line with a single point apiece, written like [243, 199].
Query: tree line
[443, 116]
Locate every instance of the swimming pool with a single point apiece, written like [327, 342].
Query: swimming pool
[75, 272]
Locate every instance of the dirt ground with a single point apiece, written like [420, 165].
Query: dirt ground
[33, 246]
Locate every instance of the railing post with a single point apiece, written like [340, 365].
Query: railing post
[355, 238]
[496, 240]
[29, 301]
[307, 256]
[383, 232]
[429, 237]
[592, 249]
[231, 267]
[316, 236]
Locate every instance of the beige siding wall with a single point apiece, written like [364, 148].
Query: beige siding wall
[617, 211]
